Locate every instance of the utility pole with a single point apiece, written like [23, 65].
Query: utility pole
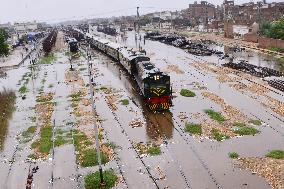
[94, 115]
[171, 22]
[138, 16]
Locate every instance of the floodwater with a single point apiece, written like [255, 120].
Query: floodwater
[163, 55]
[186, 161]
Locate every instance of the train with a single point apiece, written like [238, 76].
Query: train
[49, 42]
[154, 85]
[73, 45]
[107, 29]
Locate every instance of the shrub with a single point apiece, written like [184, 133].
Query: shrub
[276, 154]
[154, 150]
[217, 135]
[193, 128]
[233, 155]
[92, 180]
[124, 102]
[242, 129]
[187, 93]
[255, 122]
[23, 89]
[215, 115]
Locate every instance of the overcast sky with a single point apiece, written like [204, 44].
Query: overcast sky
[61, 10]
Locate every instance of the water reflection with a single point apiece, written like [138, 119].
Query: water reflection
[159, 125]
[7, 102]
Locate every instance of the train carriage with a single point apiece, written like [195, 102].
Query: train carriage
[154, 84]
[112, 49]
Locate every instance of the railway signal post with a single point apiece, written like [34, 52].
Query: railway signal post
[94, 114]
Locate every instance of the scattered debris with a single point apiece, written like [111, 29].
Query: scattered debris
[136, 123]
[270, 169]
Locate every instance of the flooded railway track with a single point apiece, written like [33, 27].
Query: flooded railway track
[116, 158]
[249, 80]
[273, 128]
[184, 137]
[132, 145]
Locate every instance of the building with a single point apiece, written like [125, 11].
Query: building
[248, 13]
[200, 13]
[24, 27]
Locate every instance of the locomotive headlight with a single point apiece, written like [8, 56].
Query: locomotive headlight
[156, 77]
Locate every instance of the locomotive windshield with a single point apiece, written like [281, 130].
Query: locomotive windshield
[157, 85]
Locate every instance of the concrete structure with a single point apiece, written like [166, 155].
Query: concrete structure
[240, 30]
[228, 29]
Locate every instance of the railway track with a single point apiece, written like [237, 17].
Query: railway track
[32, 164]
[132, 145]
[251, 81]
[186, 180]
[117, 160]
[273, 128]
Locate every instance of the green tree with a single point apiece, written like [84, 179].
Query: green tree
[277, 29]
[273, 29]
[265, 28]
[4, 48]
[4, 33]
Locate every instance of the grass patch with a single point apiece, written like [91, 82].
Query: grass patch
[187, 93]
[276, 154]
[60, 140]
[111, 145]
[193, 128]
[242, 129]
[23, 89]
[275, 49]
[154, 150]
[217, 116]
[50, 86]
[82, 69]
[238, 124]
[86, 156]
[92, 180]
[44, 143]
[217, 135]
[124, 102]
[27, 134]
[147, 148]
[89, 158]
[32, 156]
[47, 59]
[255, 122]
[103, 88]
[76, 96]
[233, 155]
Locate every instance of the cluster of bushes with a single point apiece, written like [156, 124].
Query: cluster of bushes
[273, 29]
